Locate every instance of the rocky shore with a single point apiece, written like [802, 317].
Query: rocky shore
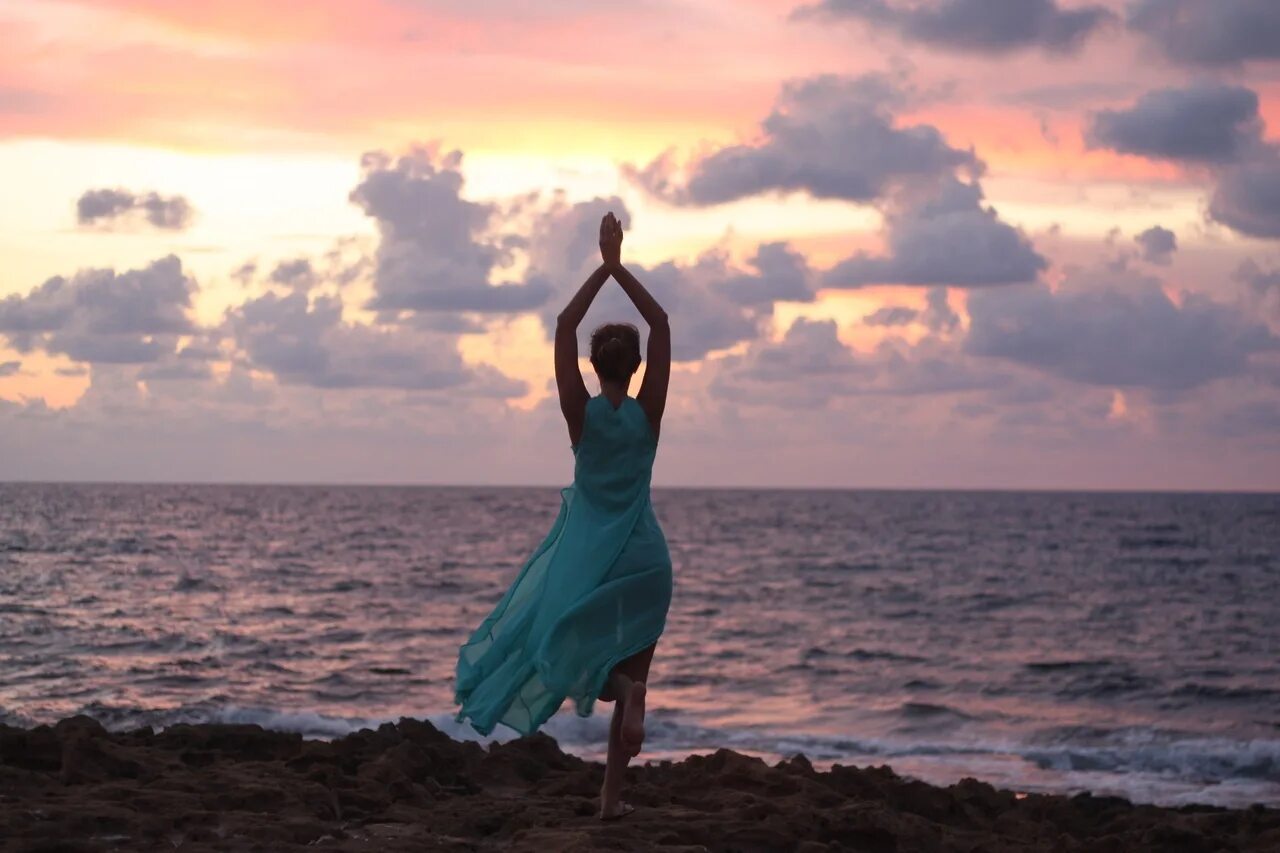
[74, 786]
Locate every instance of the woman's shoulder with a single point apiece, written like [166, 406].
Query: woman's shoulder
[640, 417]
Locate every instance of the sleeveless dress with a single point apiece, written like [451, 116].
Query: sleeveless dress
[595, 592]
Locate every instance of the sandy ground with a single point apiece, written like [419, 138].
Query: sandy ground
[75, 787]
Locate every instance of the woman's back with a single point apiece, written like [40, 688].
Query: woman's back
[614, 456]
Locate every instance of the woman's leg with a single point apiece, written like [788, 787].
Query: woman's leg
[626, 728]
[615, 766]
[628, 681]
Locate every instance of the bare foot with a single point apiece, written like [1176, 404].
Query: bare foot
[619, 810]
[633, 719]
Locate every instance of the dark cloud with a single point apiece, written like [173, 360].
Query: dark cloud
[1255, 417]
[191, 363]
[837, 137]
[9, 368]
[974, 26]
[1209, 32]
[113, 206]
[1215, 125]
[1206, 123]
[929, 367]
[1247, 198]
[343, 264]
[809, 366]
[305, 341]
[892, 315]
[1263, 286]
[812, 366]
[113, 349]
[810, 348]
[937, 316]
[830, 136]
[781, 275]
[1261, 282]
[104, 316]
[1120, 331]
[297, 273]
[186, 370]
[245, 273]
[945, 236]
[203, 347]
[1157, 245]
[437, 250]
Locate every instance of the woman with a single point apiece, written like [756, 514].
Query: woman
[581, 619]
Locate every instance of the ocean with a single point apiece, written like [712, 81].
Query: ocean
[1119, 643]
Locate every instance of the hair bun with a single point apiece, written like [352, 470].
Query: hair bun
[615, 350]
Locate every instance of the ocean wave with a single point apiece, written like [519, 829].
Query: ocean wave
[928, 710]
[880, 654]
[1061, 665]
[311, 724]
[188, 583]
[1216, 691]
[1206, 760]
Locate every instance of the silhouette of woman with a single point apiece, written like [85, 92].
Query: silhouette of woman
[582, 617]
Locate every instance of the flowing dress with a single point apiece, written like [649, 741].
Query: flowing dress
[595, 592]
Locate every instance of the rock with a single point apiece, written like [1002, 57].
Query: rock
[38, 749]
[79, 726]
[406, 786]
[243, 742]
[89, 757]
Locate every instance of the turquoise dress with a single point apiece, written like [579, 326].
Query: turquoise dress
[595, 592]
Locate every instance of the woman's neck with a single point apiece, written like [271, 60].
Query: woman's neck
[615, 391]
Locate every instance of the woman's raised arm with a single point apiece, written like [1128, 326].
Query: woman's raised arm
[652, 396]
[569, 384]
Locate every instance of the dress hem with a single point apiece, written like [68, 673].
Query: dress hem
[608, 668]
[463, 717]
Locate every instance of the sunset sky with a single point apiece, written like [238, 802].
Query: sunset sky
[945, 243]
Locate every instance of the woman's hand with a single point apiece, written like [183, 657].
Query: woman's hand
[610, 240]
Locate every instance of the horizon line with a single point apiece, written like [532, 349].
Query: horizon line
[301, 484]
